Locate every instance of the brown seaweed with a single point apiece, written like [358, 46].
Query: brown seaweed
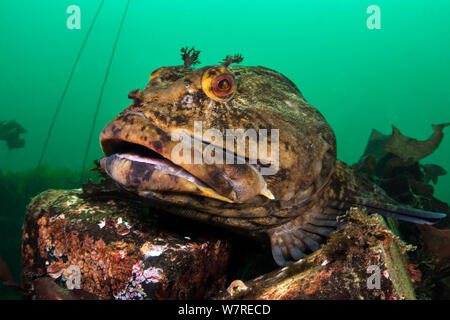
[437, 242]
[190, 56]
[432, 172]
[412, 150]
[376, 145]
[237, 58]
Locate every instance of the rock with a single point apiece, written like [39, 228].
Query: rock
[349, 266]
[46, 289]
[75, 247]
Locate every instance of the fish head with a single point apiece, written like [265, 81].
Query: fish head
[167, 145]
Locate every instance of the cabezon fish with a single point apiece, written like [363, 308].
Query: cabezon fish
[295, 207]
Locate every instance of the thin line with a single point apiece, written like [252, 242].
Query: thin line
[58, 107]
[102, 89]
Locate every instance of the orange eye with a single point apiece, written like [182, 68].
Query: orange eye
[218, 83]
[223, 85]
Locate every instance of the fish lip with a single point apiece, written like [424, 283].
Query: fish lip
[116, 142]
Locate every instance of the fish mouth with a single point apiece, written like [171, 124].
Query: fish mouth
[138, 155]
[143, 170]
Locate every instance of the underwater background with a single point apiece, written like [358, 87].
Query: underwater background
[359, 78]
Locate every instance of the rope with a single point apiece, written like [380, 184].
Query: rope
[102, 90]
[58, 108]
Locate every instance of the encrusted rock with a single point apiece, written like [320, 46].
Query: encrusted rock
[120, 252]
[115, 250]
[362, 260]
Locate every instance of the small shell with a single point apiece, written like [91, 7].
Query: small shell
[236, 287]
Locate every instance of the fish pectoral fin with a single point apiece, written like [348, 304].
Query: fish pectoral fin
[389, 208]
[297, 238]
[353, 190]
[406, 213]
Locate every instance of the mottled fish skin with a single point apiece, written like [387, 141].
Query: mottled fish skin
[296, 207]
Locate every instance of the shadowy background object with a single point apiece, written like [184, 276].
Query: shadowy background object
[10, 132]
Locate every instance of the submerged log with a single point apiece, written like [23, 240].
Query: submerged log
[362, 260]
[114, 250]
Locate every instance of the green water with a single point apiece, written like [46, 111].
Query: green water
[358, 78]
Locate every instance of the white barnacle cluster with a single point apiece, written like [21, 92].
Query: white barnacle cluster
[139, 276]
[149, 249]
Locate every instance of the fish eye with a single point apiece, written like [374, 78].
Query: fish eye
[218, 83]
[223, 85]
